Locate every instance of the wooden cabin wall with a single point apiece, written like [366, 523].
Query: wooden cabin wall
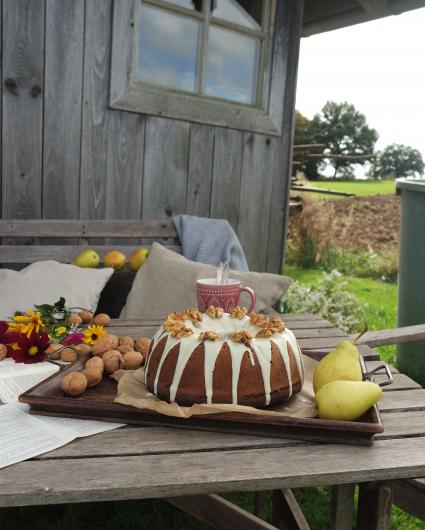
[65, 154]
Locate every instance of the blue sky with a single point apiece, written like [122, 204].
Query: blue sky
[378, 66]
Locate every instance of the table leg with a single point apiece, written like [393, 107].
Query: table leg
[287, 514]
[342, 505]
[374, 509]
[260, 504]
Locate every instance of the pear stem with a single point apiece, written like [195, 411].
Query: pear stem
[355, 341]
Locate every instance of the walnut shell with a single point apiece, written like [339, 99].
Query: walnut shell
[124, 348]
[3, 351]
[132, 360]
[113, 361]
[105, 343]
[68, 355]
[52, 351]
[73, 318]
[86, 316]
[102, 319]
[96, 363]
[74, 383]
[142, 345]
[83, 348]
[126, 341]
[93, 376]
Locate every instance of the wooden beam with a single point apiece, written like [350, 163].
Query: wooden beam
[219, 513]
[287, 514]
[374, 507]
[342, 504]
[393, 336]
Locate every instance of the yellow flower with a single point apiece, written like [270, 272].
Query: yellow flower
[93, 334]
[30, 321]
[60, 331]
[14, 327]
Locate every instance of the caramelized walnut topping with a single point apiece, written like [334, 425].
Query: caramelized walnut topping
[264, 333]
[214, 312]
[259, 319]
[242, 336]
[238, 312]
[182, 332]
[208, 335]
[193, 314]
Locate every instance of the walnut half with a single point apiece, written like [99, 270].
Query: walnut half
[208, 335]
[238, 312]
[214, 312]
[242, 336]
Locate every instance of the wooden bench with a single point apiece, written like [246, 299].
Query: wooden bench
[24, 242]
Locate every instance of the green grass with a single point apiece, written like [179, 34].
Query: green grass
[378, 297]
[157, 515]
[358, 187]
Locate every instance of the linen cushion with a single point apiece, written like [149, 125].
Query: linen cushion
[44, 282]
[166, 283]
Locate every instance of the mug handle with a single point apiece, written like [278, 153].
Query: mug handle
[252, 295]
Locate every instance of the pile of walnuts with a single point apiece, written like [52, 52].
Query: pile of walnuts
[109, 353]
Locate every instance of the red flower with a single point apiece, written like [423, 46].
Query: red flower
[31, 349]
[7, 338]
[73, 339]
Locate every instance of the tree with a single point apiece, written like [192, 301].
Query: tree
[305, 133]
[398, 160]
[344, 130]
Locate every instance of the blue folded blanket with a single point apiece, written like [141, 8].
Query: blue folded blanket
[210, 241]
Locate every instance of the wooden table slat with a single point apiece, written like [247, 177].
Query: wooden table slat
[150, 476]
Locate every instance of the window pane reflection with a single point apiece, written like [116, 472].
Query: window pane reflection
[246, 13]
[188, 4]
[168, 46]
[231, 66]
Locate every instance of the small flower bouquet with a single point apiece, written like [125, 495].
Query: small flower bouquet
[29, 336]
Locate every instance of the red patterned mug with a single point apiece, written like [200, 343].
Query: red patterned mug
[225, 295]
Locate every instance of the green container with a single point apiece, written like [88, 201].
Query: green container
[411, 277]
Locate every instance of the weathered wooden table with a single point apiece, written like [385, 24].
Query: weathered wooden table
[185, 467]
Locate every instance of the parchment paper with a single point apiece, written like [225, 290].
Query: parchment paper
[133, 391]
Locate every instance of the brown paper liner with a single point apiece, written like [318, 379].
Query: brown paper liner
[133, 391]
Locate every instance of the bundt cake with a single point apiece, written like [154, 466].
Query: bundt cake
[218, 357]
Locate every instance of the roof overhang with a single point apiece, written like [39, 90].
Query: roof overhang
[327, 15]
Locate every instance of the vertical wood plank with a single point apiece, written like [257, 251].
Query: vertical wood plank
[62, 108]
[200, 170]
[255, 197]
[226, 181]
[285, 66]
[94, 153]
[165, 168]
[342, 504]
[126, 135]
[22, 112]
[374, 506]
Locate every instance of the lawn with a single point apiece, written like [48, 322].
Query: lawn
[358, 187]
[378, 297]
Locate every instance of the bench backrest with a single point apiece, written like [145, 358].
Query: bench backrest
[77, 234]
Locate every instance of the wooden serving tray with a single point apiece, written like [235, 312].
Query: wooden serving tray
[96, 403]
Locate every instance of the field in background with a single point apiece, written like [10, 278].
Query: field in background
[359, 187]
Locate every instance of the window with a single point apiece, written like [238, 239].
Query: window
[201, 60]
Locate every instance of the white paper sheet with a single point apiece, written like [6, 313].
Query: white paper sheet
[24, 436]
[16, 378]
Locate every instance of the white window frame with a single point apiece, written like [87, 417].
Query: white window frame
[129, 93]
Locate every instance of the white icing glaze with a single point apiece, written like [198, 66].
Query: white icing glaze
[226, 326]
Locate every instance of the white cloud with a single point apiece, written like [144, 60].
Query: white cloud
[378, 66]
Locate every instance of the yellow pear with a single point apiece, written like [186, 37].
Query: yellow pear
[346, 400]
[87, 259]
[115, 259]
[138, 258]
[341, 363]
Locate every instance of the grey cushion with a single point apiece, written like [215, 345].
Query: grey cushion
[166, 283]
